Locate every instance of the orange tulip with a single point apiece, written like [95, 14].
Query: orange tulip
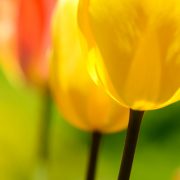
[30, 22]
[33, 37]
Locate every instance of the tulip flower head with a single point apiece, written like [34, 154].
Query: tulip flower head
[134, 46]
[31, 25]
[33, 37]
[8, 16]
[177, 175]
[82, 103]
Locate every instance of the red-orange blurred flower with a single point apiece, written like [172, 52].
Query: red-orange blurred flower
[31, 36]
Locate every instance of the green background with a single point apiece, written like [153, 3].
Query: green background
[157, 156]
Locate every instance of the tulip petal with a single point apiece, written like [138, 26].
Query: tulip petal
[82, 103]
[139, 42]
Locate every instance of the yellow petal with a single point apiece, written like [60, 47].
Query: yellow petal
[82, 103]
[139, 45]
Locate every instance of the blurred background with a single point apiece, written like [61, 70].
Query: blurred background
[157, 156]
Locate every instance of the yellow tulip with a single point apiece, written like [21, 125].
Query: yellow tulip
[81, 102]
[134, 47]
[177, 175]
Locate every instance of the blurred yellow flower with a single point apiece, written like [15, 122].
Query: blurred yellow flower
[134, 47]
[25, 38]
[177, 175]
[82, 103]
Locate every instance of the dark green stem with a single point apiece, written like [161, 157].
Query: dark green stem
[96, 139]
[130, 144]
[45, 126]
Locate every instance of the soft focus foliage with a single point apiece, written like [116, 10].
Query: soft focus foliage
[134, 47]
[79, 99]
[157, 156]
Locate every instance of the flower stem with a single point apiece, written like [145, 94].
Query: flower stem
[45, 126]
[96, 139]
[130, 144]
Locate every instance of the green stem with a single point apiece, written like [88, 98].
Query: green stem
[130, 144]
[45, 126]
[96, 139]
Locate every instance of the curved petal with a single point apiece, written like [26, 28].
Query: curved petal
[139, 44]
[82, 103]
